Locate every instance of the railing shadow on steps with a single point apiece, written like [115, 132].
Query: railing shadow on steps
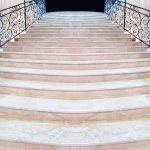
[133, 19]
[16, 19]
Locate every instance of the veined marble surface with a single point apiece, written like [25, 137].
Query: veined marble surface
[75, 86]
[75, 62]
[65, 133]
[73, 106]
[75, 72]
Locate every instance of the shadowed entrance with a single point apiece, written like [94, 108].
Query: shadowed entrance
[75, 5]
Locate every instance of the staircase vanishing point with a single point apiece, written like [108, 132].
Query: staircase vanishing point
[74, 81]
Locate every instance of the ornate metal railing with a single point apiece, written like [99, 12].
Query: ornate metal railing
[17, 19]
[133, 19]
[108, 5]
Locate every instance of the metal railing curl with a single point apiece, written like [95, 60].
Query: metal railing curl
[133, 19]
[15, 20]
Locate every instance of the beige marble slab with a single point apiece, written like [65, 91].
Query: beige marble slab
[65, 133]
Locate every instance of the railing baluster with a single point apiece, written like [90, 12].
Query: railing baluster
[125, 8]
[25, 15]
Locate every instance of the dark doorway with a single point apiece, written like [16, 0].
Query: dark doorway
[74, 5]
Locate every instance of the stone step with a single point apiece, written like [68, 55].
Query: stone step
[76, 91]
[70, 65]
[75, 25]
[79, 18]
[78, 29]
[80, 57]
[74, 76]
[74, 40]
[73, 32]
[68, 134]
[74, 28]
[74, 50]
[75, 36]
[92, 44]
[66, 22]
[101, 110]
[43, 18]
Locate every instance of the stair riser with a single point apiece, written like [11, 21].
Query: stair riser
[75, 67]
[74, 95]
[75, 58]
[19, 114]
[74, 79]
[74, 50]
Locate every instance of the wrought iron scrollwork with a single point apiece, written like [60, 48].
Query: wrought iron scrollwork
[41, 4]
[108, 5]
[133, 19]
[16, 19]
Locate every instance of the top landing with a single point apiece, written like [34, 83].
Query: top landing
[74, 14]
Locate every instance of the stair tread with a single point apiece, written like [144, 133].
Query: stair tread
[75, 86]
[93, 47]
[75, 62]
[75, 54]
[78, 134]
[73, 106]
[74, 72]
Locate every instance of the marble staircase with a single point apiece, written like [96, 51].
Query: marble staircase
[75, 81]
